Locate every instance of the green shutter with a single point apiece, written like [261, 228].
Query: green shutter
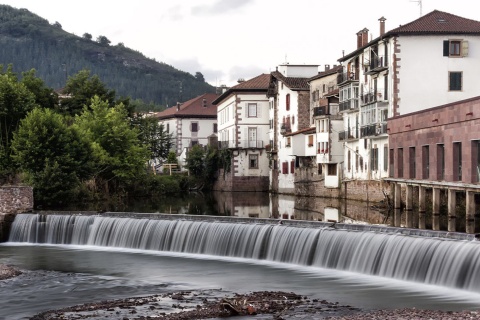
[446, 48]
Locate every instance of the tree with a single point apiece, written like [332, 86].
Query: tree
[154, 137]
[195, 161]
[82, 87]
[57, 25]
[87, 36]
[53, 157]
[103, 40]
[199, 76]
[118, 154]
[44, 97]
[15, 102]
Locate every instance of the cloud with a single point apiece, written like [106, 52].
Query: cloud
[244, 72]
[192, 65]
[220, 6]
[173, 14]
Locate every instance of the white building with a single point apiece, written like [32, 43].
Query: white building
[243, 130]
[428, 62]
[289, 95]
[192, 122]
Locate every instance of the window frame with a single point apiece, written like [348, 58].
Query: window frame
[194, 125]
[253, 157]
[251, 114]
[453, 83]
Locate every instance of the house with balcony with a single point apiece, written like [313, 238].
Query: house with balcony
[292, 135]
[190, 123]
[416, 66]
[243, 130]
[328, 123]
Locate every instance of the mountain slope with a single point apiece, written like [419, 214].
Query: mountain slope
[28, 41]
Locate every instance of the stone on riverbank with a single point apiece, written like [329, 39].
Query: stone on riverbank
[7, 272]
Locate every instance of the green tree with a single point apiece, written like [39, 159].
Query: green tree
[81, 88]
[103, 40]
[195, 161]
[154, 137]
[44, 97]
[118, 153]
[199, 76]
[87, 36]
[172, 157]
[15, 102]
[54, 159]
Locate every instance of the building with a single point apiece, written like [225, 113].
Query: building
[243, 130]
[291, 125]
[192, 122]
[416, 66]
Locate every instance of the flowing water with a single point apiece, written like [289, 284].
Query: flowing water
[73, 259]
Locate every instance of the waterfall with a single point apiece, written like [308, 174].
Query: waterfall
[437, 261]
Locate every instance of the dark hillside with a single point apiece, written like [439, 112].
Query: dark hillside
[28, 41]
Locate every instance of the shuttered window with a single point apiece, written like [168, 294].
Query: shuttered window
[455, 81]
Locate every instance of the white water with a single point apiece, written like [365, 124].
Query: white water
[433, 261]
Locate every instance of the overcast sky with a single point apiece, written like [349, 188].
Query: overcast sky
[231, 39]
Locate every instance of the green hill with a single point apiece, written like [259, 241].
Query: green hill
[28, 41]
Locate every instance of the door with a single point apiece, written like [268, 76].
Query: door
[252, 137]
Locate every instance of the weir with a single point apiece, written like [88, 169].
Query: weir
[435, 258]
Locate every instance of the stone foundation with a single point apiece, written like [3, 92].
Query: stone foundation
[13, 200]
[230, 182]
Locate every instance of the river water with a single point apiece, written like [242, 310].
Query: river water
[58, 274]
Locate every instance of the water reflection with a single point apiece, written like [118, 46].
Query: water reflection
[253, 205]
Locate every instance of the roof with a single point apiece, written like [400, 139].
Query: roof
[326, 73]
[258, 84]
[435, 22]
[293, 83]
[308, 130]
[193, 108]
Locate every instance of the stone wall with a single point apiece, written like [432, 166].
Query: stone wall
[13, 200]
[230, 182]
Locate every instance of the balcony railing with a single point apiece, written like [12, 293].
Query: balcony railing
[285, 128]
[320, 111]
[373, 130]
[346, 76]
[348, 105]
[377, 64]
[369, 97]
[241, 144]
[350, 134]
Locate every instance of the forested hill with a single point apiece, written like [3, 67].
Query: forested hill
[28, 41]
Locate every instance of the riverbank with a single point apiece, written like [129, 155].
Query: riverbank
[7, 272]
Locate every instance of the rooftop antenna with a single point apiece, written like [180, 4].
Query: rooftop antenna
[419, 4]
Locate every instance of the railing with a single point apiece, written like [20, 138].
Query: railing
[373, 130]
[369, 97]
[243, 144]
[377, 64]
[346, 76]
[348, 104]
[350, 134]
[320, 111]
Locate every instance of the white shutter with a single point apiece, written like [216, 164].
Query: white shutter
[259, 115]
[464, 48]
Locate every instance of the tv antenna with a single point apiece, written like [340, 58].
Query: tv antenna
[419, 4]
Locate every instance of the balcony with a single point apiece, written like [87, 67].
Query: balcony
[346, 105]
[320, 111]
[373, 130]
[350, 134]
[346, 77]
[368, 98]
[285, 128]
[378, 64]
[241, 144]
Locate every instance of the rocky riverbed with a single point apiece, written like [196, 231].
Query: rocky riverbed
[215, 303]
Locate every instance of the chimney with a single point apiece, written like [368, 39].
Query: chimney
[178, 106]
[240, 80]
[327, 67]
[362, 38]
[204, 102]
[382, 26]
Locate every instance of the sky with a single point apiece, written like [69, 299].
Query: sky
[227, 40]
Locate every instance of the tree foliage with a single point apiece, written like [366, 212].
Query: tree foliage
[118, 153]
[103, 40]
[154, 137]
[87, 36]
[52, 156]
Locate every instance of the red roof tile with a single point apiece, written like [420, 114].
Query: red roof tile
[258, 84]
[293, 83]
[194, 108]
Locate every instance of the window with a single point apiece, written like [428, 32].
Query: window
[425, 162]
[457, 161]
[349, 163]
[476, 161]
[392, 158]
[385, 158]
[193, 143]
[285, 167]
[292, 166]
[455, 48]
[252, 110]
[168, 127]
[400, 162]
[319, 169]
[310, 140]
[455, 81]
[215, 128]
[411, 162]
[440, 161]
[332, 169]
[253, 161]
[194, 127]
[287, 102]
[288, 142]
[374, 159]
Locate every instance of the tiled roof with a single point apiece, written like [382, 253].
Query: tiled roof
[193, 108]
[293, 83]
[435, 22]
[439, 22]
[329, 72]
[302, 131]
[259, 83]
